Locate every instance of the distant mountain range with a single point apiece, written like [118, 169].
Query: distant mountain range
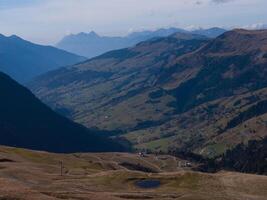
[184, 91]
[28, 123]
[211, 32]
[91, 44]
[23, 60]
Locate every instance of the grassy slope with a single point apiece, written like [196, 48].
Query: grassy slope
[112, 91]
[36, 175]
[166, 94]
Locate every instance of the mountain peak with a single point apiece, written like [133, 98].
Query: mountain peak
[10, 37]
[93, 33]
[16, 38]
[92, 45]
[83, 34]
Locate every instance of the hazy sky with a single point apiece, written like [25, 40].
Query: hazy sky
[47, 21]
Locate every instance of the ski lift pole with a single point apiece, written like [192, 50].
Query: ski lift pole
[61, 168]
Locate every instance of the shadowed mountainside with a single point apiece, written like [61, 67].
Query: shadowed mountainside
[27, 122]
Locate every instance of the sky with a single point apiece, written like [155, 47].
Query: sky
[47, 21]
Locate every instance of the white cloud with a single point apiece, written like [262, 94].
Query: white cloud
[255, 26]
[222, 1]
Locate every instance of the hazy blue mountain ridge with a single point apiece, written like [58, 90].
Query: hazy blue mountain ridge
[23, 60]
[91, 44]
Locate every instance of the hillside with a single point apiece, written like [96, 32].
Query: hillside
[182, 91]
[31, 175]
[27, 122]
[23, 60]
[113, 82]
[92, 44]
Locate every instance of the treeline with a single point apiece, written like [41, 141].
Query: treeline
[256, 110]
[250, 158]
[246, 158]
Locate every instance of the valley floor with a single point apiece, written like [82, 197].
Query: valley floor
[32, 175]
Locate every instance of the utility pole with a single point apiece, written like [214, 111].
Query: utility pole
[61, 168]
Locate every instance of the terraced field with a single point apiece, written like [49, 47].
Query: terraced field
[27, 175]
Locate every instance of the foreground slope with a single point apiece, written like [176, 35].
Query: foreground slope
[182, 91]
[23, 60]
[27, 122]
[29, 175]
